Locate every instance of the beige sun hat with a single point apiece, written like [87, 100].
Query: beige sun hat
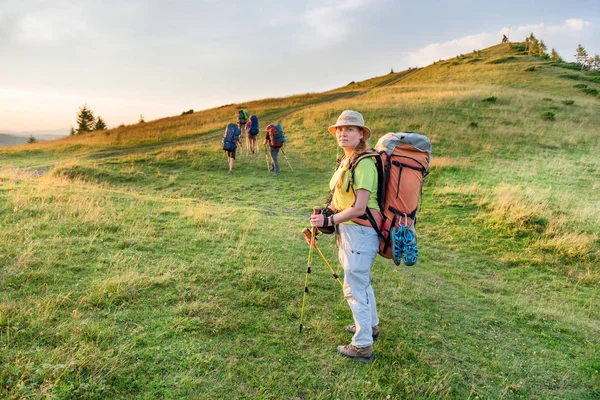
[351, 118]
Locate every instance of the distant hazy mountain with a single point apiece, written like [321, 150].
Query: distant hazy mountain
[11, 138]
[48, 134]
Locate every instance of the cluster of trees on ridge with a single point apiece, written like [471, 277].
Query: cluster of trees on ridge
[86, 122]
[535, 47]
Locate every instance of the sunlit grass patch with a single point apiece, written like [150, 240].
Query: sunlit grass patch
[449, 162]
[572, 245]
[126, 281]
[518, 210]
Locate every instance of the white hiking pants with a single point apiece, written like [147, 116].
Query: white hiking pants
[358, 246]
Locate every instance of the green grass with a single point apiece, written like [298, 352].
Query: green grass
[133, 266]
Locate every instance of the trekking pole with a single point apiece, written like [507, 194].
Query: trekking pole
[267, 158]
[286, 159]
[316, 210]
[221, 163]
[335, 276]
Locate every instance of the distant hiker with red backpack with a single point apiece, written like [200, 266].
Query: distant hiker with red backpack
[230, 140]
[275, 139]
[358, 245]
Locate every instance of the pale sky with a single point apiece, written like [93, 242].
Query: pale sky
[123, 58]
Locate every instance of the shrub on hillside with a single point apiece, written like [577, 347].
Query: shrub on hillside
[570, 76]
[474, 125]
[568, 102]
[190, 111]
[547, 99]
[529, 69]
[567, 65]
[580, 86]
[588, 77]
[502, 60]
[518, 46]
[491, 99]
[592, 91]
[548, 116]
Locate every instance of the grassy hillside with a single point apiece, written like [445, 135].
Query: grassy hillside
[133, 266]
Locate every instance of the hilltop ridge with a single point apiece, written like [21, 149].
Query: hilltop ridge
[502, 65]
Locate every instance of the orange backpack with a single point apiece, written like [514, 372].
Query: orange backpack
[402, 161]
[276, 138]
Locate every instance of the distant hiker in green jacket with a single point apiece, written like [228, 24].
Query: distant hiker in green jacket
[358, 244]
[242, 118]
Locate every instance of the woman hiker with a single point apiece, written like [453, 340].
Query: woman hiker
[357, 244]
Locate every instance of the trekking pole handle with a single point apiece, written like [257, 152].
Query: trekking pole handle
[316, 211]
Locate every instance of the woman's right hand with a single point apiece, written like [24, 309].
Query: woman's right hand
[317, 220]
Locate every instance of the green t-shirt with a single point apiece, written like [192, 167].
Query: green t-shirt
[365, 177]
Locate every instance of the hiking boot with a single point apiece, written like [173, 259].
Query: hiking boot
[376, 331]
[362, 354]
[404, 246]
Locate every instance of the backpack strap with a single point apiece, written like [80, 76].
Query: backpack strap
[368, 215]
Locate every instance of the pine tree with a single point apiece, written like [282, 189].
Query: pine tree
[85, 120]
[581, 55]
[589, 63]
[31, 139]
[100, 124]
[542, 49]
[72, 132]
[533, 45]
[596, 65]
[554, 56]
[141, 121]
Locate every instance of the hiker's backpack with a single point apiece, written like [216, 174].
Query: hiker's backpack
[254, 130]
[231, 137]
[241, 117]
[280, 129]
[402, 161]
[276, 138]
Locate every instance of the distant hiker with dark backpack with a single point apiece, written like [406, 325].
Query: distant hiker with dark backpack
[253, 131]
[230, 140]
[358, 245]
[275, 139]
